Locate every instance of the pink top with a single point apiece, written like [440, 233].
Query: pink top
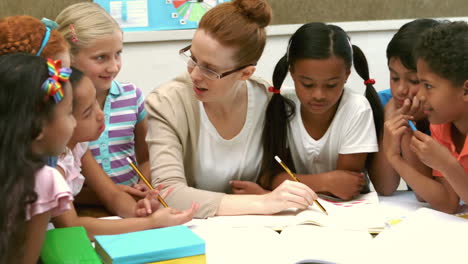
[70, 162]
[53, 194]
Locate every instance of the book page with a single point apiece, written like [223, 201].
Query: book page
[361, 213]
[228, 245]
[358, 214]
[276, 221]
[425, 236]
[295, 244]
[312, 244]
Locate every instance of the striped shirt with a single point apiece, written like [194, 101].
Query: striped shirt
[123, 109]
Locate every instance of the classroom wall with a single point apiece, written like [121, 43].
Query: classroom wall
[35, 8]
[302, 11]
[290, 11]
[151, 58]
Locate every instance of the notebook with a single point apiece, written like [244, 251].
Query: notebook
[294, 244]
[68, 245]
[149, 245]
[198, 259]
[361, 213]
[425, 236]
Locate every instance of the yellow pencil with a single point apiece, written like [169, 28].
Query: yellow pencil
[161, 200]
[296, 179]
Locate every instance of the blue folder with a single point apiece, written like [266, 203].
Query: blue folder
[149, 245]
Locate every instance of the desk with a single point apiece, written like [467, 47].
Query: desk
[400, 204]
[257, 245]
[242, 245]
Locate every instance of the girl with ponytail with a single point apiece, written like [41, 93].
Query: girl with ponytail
[324, 131]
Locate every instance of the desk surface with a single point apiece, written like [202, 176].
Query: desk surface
[244, 245]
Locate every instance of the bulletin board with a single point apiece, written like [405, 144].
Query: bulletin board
[145, 15]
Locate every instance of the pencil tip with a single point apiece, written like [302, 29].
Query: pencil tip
[129, 160]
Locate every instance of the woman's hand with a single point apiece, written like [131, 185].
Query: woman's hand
[289, 194]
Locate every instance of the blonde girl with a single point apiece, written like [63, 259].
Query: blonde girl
[96, 45]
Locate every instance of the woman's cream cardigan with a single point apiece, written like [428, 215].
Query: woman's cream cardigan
[173, 127]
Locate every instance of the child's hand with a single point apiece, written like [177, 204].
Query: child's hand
[246, 187]
[165, 217]
[150, 203]
[416, 109]
[412, 107]
[390, 109]
[132, 191]
[141, 186]
[394, 129]
[430, 152]
[345, 184]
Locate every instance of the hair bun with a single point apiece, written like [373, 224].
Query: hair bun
[258, 11]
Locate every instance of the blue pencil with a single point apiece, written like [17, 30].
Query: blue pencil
[412, 126]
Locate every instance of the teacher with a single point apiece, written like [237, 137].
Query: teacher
[205, 127]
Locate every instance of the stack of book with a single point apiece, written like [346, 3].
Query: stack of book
[176, 244]
[68, 245]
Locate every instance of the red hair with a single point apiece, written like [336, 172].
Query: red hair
[25, 34]
[241, 24]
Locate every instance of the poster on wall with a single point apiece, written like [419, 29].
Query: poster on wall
[146, 15]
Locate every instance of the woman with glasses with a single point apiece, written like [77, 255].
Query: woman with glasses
[205, 127]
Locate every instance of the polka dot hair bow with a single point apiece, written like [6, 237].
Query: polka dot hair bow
[53, 85]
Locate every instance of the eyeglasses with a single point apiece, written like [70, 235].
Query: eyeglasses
[208, 73]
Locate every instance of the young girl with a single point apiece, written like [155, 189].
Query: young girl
[400, 98]
[27, 34]
[441, 57]
[324, 130]
[36, 121]
[96, 45]
[89, 126]
[30, 35]
[203, 126]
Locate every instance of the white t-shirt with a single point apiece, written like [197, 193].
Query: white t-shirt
[352, 130]
[219, 160]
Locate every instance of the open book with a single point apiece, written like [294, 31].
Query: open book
[425, 236]
[361, 214]
[295, 244]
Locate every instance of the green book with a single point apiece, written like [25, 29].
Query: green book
[68, 245]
